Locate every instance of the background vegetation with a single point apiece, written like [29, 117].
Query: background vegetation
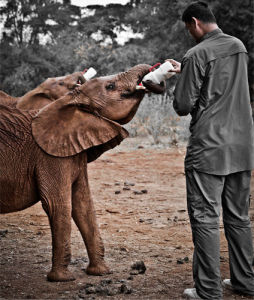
[49, 38]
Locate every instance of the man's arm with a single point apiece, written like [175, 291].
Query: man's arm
[188, 86]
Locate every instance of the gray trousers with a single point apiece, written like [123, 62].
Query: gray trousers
[206, 194]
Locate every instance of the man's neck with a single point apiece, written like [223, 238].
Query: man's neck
[209, 27]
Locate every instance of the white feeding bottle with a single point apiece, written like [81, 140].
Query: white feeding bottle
[160, 74]
[90, 73]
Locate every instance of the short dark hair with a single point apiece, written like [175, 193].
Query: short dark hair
[200, 11]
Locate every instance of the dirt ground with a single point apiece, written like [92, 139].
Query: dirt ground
[139, 195]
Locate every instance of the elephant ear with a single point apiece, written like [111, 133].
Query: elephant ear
[34, 99]
[64, 129]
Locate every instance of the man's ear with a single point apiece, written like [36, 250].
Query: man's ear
[195, 22]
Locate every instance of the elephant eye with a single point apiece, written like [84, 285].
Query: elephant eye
[61, 83]
[111, 86]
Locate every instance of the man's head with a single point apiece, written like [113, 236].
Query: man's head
[199, 19]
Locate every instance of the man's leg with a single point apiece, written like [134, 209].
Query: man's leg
[235, 202]
[204, 200]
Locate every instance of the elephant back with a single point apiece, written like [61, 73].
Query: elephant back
[15, 127]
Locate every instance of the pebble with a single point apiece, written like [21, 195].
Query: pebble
[134, 272]
[183, 260]
[126, 188]
[144, 191]
[90, 290]
[3, 232]
[106, 281]
[125, 289]
[123, 249]
[126, 183]
[106, 287]
[137, 192]
[138, 266]
[117, 192]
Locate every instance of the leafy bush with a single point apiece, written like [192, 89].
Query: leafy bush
[157, 118]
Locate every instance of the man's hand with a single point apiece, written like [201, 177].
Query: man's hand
[176, 65]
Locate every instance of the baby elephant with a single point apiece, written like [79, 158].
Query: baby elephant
[48, 91]
[44, 156]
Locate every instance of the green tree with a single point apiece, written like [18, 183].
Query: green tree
[26, 20]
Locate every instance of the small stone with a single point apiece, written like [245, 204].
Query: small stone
[134, 272]
[126, 183]
[91, 290]
[141, 220]
[106, 281]
[144, 191]
[123, 249]
[122, 281]
[175, 218]
[139, 266]
[117, 183]
[137, 192]
[223, 259]
[130, 277]
[186, 259]
[180, 261]
[126, 188]
[124, 289]
[3, 232]
[102, 290]
[117, 192]
[112, 291]
[87, 285]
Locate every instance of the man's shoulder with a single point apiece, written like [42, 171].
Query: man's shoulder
[219, 46]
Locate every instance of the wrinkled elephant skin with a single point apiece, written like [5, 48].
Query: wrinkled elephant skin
[44, 156]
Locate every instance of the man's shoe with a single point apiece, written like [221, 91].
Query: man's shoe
[191, 294]
[226, 283]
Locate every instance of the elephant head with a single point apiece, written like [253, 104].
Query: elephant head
[89, 117]
[116, 97]
[50, 90]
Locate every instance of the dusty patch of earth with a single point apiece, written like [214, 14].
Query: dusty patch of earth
[145, 222]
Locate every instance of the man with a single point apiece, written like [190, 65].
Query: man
[213, 88]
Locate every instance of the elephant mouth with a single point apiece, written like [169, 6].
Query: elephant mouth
[137, 92]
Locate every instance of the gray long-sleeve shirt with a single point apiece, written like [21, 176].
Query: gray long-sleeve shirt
[213, 88]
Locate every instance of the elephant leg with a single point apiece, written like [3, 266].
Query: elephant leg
[83, 214]
[59, 214]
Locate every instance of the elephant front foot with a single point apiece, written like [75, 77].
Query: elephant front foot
[98, 270]
[60, 275]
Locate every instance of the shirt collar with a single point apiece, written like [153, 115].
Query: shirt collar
[210, 34]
